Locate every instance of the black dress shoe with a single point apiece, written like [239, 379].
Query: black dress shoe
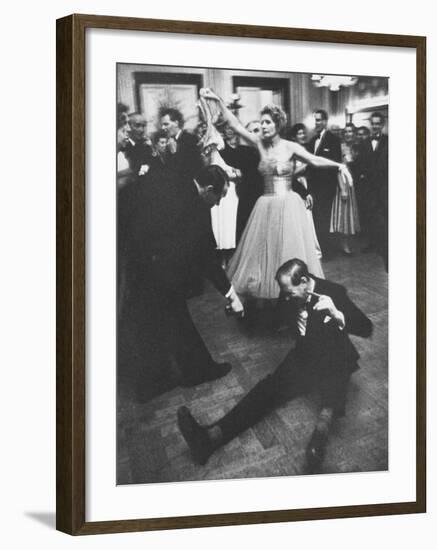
[315, 451]
[215, 371]
[195, 435]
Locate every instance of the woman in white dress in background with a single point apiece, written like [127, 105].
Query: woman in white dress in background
[224, 215]
[279, 228]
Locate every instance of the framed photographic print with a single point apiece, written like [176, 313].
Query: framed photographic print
[240, 274]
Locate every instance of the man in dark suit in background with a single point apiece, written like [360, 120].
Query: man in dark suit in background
[184, 155]
[372, 187]
[322, 315]
[363, 134]
[323, 182]
[138, 150]
[173, 244]
[378, 177]
[360, 174]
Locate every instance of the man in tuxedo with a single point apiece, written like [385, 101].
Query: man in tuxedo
[184, 154]
[138, 151]
[372, 187]
[378, 177]
[323, 182]
[173, 243]
[364, 193]
[323, 359]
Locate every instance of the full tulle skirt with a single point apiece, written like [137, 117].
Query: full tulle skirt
[279, 229]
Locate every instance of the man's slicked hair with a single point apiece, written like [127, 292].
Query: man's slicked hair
[295, 268]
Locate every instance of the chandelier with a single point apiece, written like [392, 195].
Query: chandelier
[333, 82]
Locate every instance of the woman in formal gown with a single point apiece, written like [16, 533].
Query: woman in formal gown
[344, 213]
[279, 228]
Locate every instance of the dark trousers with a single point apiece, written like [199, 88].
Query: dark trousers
[323, 198]
[183, 338]
[380, 232]
[374, 222]
[365, 209]
[309, 366]
[160, 333]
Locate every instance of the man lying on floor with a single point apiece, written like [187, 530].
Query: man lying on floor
[322, 315]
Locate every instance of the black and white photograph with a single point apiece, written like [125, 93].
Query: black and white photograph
[252, 273]
[218, 281]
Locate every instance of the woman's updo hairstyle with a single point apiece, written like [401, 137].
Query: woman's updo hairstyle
[277, 115]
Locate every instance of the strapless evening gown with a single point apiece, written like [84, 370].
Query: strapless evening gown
[278, 230]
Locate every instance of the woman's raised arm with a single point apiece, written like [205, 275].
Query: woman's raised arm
[229, 117]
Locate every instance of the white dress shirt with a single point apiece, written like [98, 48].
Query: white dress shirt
[318, 140]
[302, 315]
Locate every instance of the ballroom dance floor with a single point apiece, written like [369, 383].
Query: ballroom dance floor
[150, 448]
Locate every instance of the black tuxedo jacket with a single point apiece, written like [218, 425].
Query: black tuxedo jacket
[186, 161]
[318, 339]
[329, 146]
[246, 159]
[250, 187]
[323, 181]
[172, 238]
[379, 170]
[138, 154]
[372, 166]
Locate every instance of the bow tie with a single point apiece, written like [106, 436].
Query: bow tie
[376, 138]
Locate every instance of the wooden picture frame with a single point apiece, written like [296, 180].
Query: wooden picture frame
[71, 275]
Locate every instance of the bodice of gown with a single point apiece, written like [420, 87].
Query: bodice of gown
[277, 175]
